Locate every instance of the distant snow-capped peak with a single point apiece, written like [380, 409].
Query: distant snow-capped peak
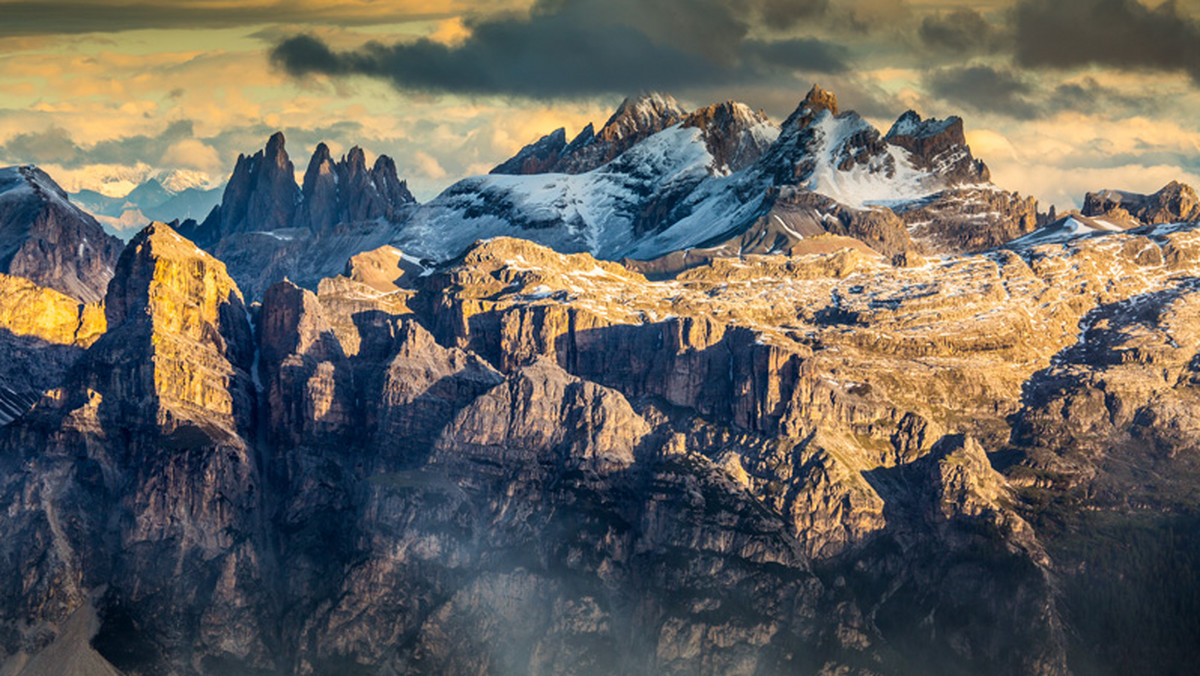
[117, 181]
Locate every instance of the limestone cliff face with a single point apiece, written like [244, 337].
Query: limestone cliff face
[42, 333]
[940, 145]
[969, 218]
[27, 309]
[551, 418]
[135, 469]
[179, 334]
[496, 511]
[531, 462]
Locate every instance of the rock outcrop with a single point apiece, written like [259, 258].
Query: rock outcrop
[938, 145]
[42, 334]
[267, 228]
[349, 192]
[1174, 203]
[261, 196]
[50, 241]
[735, 135]
[635, 120]
[132, 486]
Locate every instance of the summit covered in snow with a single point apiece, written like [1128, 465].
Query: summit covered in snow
[657, 179]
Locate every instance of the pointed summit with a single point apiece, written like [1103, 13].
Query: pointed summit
[276, 147]
[815, 102]
[735, 135]
[356, 160]
[636, 119]
[347, 191]
[642, 116]
[261, 195]
[938, 146]
[179, 337]
[818, 99]
[537, 157]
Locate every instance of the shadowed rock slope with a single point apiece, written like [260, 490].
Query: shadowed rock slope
[268, 228]
[50, 241]
[534, 462]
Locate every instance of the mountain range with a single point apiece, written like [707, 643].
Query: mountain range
[166, 196]
[690, 394]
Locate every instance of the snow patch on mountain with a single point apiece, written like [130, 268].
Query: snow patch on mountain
[889, 178]
[593, 211]
[1064, 230]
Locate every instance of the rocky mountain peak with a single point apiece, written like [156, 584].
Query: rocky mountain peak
[726, 114]
[820, 99]
[356, 160]
[31, 178]
[346, 191]
[636, 119]
[815, 101]
[395, 192]
[642, 116]
[50, 241]
[261, 195]
[276, 152]
[1174, 203]
[170, 281]
[910, 125]
[735, 134]
[178, 335]
[320, 156]
[537, 157]
[938, 146]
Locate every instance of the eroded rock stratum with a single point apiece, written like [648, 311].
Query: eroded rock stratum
[531, 462]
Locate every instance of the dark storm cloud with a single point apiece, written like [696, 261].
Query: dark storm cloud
[962, 31]
[984, 89]
[808, 53]
[1116, 33]
[582, 47]
[1090, 96]
[1007, 92]
[47, 17]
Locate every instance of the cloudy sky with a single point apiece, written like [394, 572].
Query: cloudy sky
[1059, 96]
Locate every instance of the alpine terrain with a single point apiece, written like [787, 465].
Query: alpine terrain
[693, 393]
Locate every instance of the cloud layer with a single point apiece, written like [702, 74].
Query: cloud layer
[49, 17]
[583, 47]
[1059, 95]
[1117, 33]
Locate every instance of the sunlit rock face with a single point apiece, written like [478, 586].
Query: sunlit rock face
[42, 333]
[1174, 203]
[820, 445]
